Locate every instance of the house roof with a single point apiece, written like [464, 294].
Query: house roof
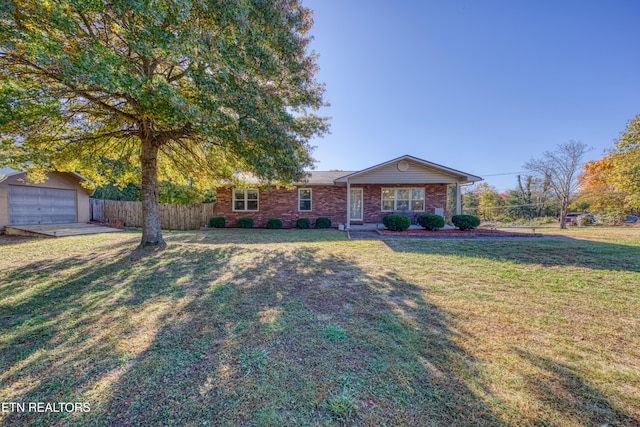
[325, 177]
[311, 177]
[402, 170]
[7, 172]
[453, 174]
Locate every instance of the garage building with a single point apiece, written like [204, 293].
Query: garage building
[60, 199]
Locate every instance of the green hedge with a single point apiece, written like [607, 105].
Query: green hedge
[465, 222]
[245, 222]
[274, 223]
[396, 222]
[303, 223]
[217, 222]
[323, 222]
[431, 221]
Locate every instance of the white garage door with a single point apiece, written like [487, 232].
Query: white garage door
[35, 205]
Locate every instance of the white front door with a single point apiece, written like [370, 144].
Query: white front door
[355, 208]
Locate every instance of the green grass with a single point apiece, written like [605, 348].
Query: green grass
[304, 327]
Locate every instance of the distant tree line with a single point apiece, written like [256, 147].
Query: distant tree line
[530, 199]
[558, 182]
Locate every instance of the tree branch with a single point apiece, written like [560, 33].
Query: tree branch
[81, 92]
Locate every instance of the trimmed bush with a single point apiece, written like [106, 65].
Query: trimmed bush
[217, 222]
[274, 223]
[395, 222]
[323, 222]
[465, 222]
[303, 223]
[431, 221]
[245, 222]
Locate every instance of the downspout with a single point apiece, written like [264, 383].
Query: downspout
[458, 199]
[348, 204]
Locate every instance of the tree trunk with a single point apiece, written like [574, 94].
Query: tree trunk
[563, 213]
[151, 232]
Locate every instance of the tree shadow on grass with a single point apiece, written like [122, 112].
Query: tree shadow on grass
[547, 253]
[255, 236]
[67, 323]
[252, 337]
[242, 335]
[293, 337]
[558, 386]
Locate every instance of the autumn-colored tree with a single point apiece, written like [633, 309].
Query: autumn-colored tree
[596, 188]
[489, 202]
[177, 88]
[624, 164]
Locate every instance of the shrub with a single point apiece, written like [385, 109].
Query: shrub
[584, 220]
[217, 222]
[323, 222]
[610, 218]
[303, 223]
[431, 221]
[465, 222]
[245, 222]
[274, 223]
[396, 222]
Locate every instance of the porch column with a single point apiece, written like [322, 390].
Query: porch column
[348, 204]
[458, 199]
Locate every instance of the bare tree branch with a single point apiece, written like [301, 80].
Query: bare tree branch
[561, 166]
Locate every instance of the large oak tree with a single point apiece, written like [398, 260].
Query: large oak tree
[176, 88]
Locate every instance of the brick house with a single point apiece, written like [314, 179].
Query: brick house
[406, 184]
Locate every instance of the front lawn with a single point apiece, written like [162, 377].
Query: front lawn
[304, 327]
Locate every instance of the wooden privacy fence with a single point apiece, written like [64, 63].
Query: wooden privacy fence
[172, 217]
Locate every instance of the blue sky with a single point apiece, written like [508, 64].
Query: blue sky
[479, 86]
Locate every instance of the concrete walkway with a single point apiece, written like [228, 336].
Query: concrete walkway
[57, 230]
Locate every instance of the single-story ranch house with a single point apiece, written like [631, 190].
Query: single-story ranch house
[403, 185]
[59, 200]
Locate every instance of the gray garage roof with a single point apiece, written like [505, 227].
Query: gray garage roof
[7, 172]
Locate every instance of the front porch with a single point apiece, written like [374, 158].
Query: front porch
[406, 184]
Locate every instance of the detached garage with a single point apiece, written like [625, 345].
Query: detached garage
[58, 200]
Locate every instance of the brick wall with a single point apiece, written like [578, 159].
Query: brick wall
[327, 201]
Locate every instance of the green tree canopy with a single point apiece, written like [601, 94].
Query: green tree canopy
[489, 202]
[624, 164]
[176, 88]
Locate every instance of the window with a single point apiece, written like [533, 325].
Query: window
[245, 200]
[304, 199]
[402, 199]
